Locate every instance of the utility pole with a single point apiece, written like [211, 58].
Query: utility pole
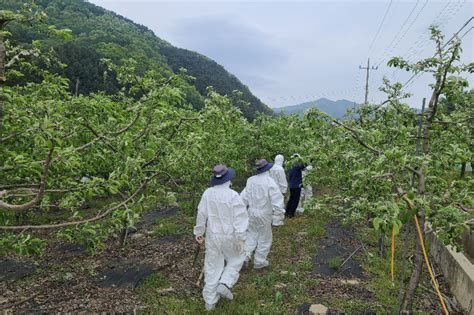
[368, 68]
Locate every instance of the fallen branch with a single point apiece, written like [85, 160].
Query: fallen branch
[201, 275]
[170, 137]
[452, 307]
[166, 291]
[41, 191]
[383, 175]
[20, 302]
[357, 137]
[78, 222]
[130, 125]
[106, 140]
[14, 186]
[356, 250]
[463, 208]
[15, 134]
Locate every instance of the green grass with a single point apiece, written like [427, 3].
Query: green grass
[335, 263]
[155, 281]
[175, 225]
[278, 289]
[167, 228]
[316, 230]
[288, 282]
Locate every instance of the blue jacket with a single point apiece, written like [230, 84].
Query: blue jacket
[296, 176]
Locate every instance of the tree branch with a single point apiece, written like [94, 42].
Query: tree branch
[41, 191]
[14, 135]
[433, 104]
[413, 170]
[22, 53]
[130, 125]
[452, 122]
[356, 136]
[79, 222]
[170, 137]
[101, 137]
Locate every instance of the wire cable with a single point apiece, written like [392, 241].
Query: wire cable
[443, 17]
[380, 26]
[415, 76]
[389, 48]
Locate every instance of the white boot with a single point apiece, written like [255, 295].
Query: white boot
[210, 307]
[224, 291]
[262, 265]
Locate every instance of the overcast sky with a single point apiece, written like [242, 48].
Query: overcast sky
[289, 52]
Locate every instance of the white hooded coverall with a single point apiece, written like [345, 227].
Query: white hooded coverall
[277, 172]
[263, 198]
[223, 217]
[306, 191]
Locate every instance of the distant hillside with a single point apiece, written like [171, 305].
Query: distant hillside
[99, 33]
[336, 109]
[210, 73]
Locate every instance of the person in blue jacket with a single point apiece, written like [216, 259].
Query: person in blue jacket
[296, 180]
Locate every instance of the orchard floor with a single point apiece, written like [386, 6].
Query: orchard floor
[305, 269]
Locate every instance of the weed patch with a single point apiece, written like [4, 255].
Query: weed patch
[335, 263]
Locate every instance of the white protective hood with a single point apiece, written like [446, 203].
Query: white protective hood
[279, 159]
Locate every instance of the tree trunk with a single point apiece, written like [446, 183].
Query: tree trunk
[418, 253]
[429, 120]
[405, 268]
[382, 245]
[463, 169]
[2, 79]
[417, 269]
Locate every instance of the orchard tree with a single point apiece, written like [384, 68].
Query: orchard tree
[372, 160]
[62, 151]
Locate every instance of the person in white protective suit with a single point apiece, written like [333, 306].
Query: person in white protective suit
[223, 219]
[277, 172]
[306, 191]
[263, 198]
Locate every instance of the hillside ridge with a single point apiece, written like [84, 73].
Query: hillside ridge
[99, 33]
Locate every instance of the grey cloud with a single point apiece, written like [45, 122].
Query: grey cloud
[243, 49]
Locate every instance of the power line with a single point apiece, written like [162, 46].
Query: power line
[459, 31]
[356, 89]
[462, 36]
[441, 24]
[423, 36]
[443, 17]
[400, 30]
[388, 52]
[423, 40]
[415, 76]
[396, 41]
[380, 26]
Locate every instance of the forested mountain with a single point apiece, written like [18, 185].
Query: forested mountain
[336, 109]
[99, 33]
